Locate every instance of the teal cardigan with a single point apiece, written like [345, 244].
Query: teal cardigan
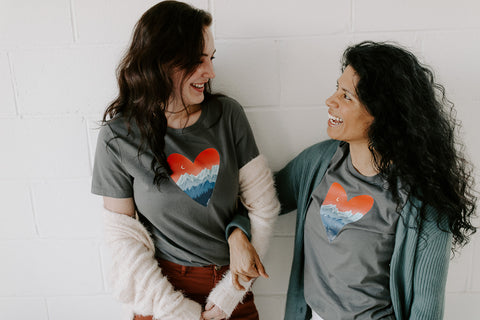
[419, 265]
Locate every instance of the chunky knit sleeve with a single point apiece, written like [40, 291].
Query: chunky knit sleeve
[135, 276]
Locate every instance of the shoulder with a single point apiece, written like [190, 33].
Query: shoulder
[225, 109]
[433, 221]
[105, 133]
[119, 127]
[310, 160]
[229, 106]
[321, 150]
[228, 102]
[429, 236]
[114, 131]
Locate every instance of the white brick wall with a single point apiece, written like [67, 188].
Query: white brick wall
[254, 77]
[391, 15]
[7, 100]
[65, 80]
[278, 19]
[17, 220]
[279, 58]
[26, 23]
[23, 308]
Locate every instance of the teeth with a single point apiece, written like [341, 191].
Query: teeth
[334, 119]
[199, 86]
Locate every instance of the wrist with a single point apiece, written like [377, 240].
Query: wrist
[236, 235]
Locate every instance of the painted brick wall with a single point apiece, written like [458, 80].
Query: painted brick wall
[278, 58]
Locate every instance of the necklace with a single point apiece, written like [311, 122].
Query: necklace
[175, 112]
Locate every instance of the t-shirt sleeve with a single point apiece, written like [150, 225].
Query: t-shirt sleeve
[110, 178]
[244, 140]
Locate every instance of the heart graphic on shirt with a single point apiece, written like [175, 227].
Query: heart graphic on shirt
[197, 179]
[337, 211]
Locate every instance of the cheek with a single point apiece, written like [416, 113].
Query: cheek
[366, 125]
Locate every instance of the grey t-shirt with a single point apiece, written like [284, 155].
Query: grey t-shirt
[349, 241]
[187, 215]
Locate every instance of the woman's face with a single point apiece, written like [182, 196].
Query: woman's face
[348, 120]
[193, 87]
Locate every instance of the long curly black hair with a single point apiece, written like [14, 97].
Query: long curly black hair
[168, 36]
[413, 137]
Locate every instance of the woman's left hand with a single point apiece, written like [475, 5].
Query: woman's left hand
[213, 312]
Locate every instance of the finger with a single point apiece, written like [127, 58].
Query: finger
[236, 284]
[245, 278]
[209, 306]
[207, 315]
[252, 271]
[215, 313]
[261, 269]
[210, 314]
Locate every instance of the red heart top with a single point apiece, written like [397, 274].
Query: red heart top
[180, 165]
[337, 196]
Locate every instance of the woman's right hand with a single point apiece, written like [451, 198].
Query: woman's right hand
[213, 312]
[244, 260]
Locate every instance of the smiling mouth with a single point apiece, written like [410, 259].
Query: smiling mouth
[334, 121]
[198, 85]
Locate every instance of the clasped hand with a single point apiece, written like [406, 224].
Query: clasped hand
[213, 312]
[244, 260]
[245, 264]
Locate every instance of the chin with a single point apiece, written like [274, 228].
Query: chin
[196, 100]
[331, 134]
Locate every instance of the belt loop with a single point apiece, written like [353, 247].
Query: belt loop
[184, 270]
[217, 272]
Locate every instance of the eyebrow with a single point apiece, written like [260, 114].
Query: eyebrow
[352, 93]
[206, 55]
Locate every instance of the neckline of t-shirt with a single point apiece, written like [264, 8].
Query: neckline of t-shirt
[192, 127]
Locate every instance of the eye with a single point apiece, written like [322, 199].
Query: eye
[347, 97]
[212, 58]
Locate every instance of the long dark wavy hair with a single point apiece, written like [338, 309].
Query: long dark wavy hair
[413, 134]
[168, 36]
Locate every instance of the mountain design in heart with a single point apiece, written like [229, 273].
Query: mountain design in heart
[197, 179]
[337, 211]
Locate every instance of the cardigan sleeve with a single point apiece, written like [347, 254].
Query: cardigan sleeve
[240, 220]
[430, 270]
[287, 182]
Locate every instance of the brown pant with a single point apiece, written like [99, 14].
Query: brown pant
[197, 282]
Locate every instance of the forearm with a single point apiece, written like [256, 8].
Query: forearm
[135, 276]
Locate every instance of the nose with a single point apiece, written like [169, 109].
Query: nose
[209, 71]
[330, 102]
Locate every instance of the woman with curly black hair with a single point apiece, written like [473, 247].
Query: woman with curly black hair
[379, 206]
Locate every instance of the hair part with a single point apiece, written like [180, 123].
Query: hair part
[169, 36]
[413, 137]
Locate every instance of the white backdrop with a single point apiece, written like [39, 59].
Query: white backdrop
[278, 58]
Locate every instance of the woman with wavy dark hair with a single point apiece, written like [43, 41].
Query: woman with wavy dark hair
[171, 161]
[379, 206]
